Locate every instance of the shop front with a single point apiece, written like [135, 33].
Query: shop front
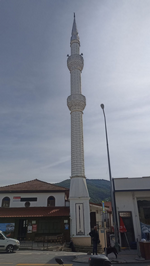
[36, 224]
[144, 216]
[132, 199]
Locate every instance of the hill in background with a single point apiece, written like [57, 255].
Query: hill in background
[99, 189]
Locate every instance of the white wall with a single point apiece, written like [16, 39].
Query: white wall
[97, 210]
[132, 183]
[41, 199]
[127, 201]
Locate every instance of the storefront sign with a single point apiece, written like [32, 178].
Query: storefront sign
[66, 226]
[65, 221]
[7, 227]
[29, 229]
[17, 198]
[34, 227]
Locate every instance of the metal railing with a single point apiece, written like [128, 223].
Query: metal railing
[42, 242]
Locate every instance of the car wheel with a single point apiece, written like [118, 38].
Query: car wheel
[10, 249]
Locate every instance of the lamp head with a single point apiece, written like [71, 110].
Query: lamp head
[102, 106]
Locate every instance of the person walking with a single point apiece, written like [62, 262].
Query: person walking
[95, 239]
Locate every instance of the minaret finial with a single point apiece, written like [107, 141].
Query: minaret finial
[74, 34]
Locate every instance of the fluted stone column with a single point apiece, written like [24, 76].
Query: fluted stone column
[79, 196]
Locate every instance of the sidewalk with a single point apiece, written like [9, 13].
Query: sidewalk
[125, 256]
[31, 245]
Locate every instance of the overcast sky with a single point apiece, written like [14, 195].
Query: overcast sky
[35, 83]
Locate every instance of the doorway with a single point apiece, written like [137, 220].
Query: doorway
[22, 231]
[128, 222]
[93, 219]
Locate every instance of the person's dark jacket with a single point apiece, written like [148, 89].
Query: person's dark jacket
[95, 237]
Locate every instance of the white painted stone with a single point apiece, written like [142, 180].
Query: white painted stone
[41, 199]
[78, 196]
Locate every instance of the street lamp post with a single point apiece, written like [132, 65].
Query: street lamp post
[111, 185]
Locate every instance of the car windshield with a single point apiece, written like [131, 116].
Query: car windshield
[3, 234]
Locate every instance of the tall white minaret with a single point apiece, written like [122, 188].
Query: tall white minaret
[79, 196]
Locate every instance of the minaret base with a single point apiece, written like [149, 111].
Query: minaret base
[78, 188]
[80, 221]
[82, 241]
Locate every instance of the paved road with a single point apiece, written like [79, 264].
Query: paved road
[36, 258]
[133, 264]
[45, 258]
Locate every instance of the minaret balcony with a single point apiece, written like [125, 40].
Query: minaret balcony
[76, 102]
[75, 61]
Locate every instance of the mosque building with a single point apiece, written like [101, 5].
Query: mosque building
[42, 212]
[37, 210]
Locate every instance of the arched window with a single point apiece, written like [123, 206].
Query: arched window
[6, 202]
[51, 201]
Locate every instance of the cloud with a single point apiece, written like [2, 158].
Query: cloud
[35, 83]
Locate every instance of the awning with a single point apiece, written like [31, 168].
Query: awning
[34, 212]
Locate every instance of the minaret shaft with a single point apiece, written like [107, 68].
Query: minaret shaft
[75, 81]
[78, 195]
[75, 49]
[77, 149]
[76, 104]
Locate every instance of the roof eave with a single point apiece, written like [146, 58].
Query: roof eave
[32, 191]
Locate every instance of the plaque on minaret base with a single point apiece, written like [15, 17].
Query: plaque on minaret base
[78, 195]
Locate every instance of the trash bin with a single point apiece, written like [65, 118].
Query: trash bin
[145, 250]
[99, 260]
[142, 249]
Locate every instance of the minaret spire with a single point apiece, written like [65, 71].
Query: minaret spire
[74, 34]
[78, 196]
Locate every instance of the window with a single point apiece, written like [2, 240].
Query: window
[25, 223]
[49, 227]
[2, 237]
[6, 202]
[144, 211]
[43, 227]
[27, 204]
[51, 201]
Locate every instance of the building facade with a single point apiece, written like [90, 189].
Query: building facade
[34, 210]
[40, 211]
[132, 197]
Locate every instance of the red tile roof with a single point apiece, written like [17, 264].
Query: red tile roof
[34, 212]
[32, 186]
[108, 204]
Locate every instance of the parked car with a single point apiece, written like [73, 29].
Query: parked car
[8, 244]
